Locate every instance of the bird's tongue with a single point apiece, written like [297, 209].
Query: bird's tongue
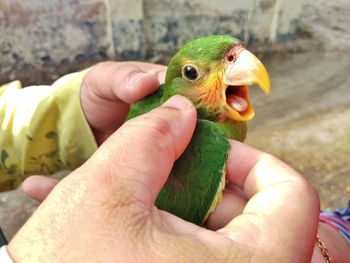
[237, 103]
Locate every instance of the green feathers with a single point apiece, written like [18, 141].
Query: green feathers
[206, 51]
[147, 104]
[198, 176]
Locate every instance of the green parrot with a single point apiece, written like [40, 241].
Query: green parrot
[214, 72]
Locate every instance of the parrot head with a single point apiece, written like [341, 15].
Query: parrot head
[214, 72]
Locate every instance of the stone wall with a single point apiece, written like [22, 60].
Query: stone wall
[40, 40]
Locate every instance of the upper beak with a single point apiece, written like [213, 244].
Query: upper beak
[247, 70]
[238, 75]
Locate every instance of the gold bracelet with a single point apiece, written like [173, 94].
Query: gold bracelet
[323, 249]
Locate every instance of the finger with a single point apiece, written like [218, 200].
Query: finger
[140, 155]
[111, 86]
[240, 161]
[231, 206]
[154, 69]
[39, 187]
[282, 206]
[125, 81]
[253, 170]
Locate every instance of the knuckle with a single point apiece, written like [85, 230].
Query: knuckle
[156, 131]
[159, 125]
[159, 132]
[103, 66]
[301, 187]
[307, 190]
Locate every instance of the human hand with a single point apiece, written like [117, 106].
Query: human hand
[106, 93]
[110, 87]
[104, 211]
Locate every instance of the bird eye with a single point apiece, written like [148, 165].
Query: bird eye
[190, 72]
[231, 58]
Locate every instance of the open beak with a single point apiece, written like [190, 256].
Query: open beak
[238, 75]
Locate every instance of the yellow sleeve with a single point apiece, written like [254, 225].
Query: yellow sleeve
[42, 130]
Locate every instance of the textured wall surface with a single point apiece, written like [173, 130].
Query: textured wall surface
[44, 36]
[40, 40]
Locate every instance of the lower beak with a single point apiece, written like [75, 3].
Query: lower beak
[238, 75]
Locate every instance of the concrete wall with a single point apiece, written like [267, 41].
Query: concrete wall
[40, 40]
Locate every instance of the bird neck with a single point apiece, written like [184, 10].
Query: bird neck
[236, 130]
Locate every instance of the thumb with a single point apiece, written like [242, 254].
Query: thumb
[109, 88]
[39, 187]
[140, 155]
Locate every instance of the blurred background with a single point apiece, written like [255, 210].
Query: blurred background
[304, 44]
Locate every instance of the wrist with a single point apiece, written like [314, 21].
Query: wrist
[336, 245]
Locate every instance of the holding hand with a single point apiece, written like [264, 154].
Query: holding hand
[110, 87]
[106, 93]
[104, 211]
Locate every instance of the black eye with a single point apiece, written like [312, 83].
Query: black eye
[190, 72]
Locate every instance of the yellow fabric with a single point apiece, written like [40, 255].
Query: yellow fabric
[42, 130]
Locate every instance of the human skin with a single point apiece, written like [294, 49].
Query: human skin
[104, 211]
[107, 91]
[110, 87]
[338, 248]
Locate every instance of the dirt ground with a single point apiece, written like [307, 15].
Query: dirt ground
[306, 119]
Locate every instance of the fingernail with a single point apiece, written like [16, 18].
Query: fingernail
[178, 102]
